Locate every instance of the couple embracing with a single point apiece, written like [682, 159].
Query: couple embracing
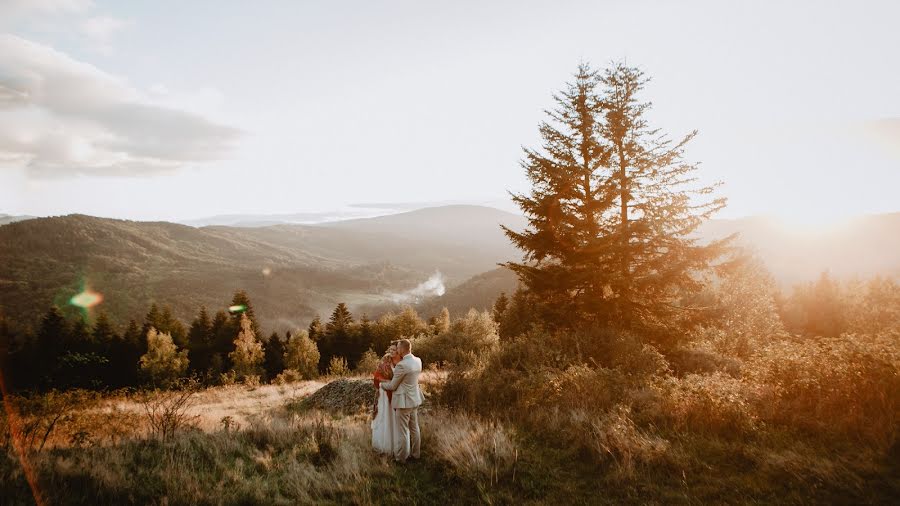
[395, 427]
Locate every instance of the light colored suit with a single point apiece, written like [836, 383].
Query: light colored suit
[406, 400]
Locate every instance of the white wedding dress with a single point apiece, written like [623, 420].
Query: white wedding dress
[384, 426]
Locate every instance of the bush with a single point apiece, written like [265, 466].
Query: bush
[848, 385]
[467, 339]
[338, 367]
[368, 363]
[707, 404]
[288, 376]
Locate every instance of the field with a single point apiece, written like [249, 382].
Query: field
[244, 444]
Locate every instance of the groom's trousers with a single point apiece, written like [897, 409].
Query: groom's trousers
[410, 440]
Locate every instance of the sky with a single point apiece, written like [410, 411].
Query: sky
[176, 110]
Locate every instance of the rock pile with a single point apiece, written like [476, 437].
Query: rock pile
[344, 395]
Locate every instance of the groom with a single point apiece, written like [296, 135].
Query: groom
[406, 401]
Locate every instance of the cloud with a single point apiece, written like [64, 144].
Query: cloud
[100, 30]
[11, 7]
[60, 117]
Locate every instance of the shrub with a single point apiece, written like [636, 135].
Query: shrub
[169, 411]
[467, 338]
[712, 404]
[847, 385]
[288, 376]
[368, 363]
[338, 367]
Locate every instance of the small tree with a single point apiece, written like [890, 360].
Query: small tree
[302, 355]
[441, 323]
[163, 363]
[337, 366]
[247, 357]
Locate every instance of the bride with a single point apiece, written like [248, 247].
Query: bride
[384, 424]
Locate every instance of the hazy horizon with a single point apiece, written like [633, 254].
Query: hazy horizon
[178, 112]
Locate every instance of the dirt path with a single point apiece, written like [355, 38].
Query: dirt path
[240, 402]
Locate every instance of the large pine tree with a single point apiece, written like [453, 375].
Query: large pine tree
[612, 210]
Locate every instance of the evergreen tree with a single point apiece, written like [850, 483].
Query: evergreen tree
[366, 332]
[103, 332]
[105, 341]
[172, 326]
[611, 211]
[499, 308]
[241, 299]
[49, 345]
[338, 339]
[248, 356]
[125, 356]
[274, 362]
[316, 330]
[153, 319]
[519, 316]
[199, 342]
[222, 334]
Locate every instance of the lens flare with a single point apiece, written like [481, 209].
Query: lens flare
[86, 299]
[238, 308]
[266, 271]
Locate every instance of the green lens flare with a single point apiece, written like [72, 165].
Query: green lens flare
[86, 299]
[239, 308]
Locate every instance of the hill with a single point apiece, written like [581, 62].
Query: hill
[8, 218]
[47, 260]
[291, 272]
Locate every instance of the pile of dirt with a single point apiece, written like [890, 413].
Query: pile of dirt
[344, 395]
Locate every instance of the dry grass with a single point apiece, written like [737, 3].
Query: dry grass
[473, 448]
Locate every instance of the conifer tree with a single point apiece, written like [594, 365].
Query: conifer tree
[365, 332]
[172, 326]
[50, 344]
[338, 339]
[241, 299]
[125, 360]
[222, 335]
[611, 211]
[274, 351]
[500, 305]
[316, 329]
[199, 342]
[105, 342]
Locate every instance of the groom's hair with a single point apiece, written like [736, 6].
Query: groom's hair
[404, 346]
